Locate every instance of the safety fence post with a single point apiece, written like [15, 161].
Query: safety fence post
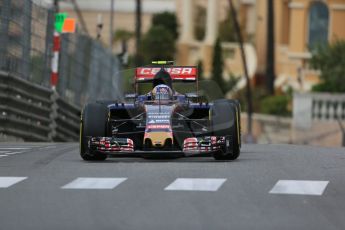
[55, 61]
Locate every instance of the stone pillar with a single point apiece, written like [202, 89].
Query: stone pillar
[187, 32]
[210, 36]
[187, 21]
[211, 22]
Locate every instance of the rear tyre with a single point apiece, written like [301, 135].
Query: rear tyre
[225, 122]
[93, 124]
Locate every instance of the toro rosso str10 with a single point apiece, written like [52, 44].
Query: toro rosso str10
[161, 123]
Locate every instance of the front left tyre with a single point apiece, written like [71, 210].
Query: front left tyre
[93, 124]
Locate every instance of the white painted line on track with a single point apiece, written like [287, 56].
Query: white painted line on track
[94, 183]
[10, 148]
[4, 152]
[299, 187]
[49, 147]
[6, 182]
[12, 153]
[3, 155]
[196, 184]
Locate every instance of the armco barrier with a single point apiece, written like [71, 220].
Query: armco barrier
[67, 121]
[35, 113]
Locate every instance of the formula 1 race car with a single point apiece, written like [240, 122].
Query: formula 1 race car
[161, 123]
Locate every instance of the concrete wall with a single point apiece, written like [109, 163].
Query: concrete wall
[269, 129]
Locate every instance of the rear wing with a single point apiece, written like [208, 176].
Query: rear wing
[177, 73]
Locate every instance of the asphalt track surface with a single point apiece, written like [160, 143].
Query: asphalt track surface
[48, 186]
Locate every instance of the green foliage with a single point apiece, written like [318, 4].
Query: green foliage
[122, 35]
[168, 21]
[217, 70]
[227, 31]
[200, 69]
[276, 105]
[258, 94]
[128, 80]
[158, 44]
[330, 59]
[200, 22]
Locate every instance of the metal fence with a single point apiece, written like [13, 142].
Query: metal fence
[25, 40]
[87, 70]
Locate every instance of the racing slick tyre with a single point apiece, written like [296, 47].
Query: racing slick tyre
[225, 122]
[93, 123]
[238, 108]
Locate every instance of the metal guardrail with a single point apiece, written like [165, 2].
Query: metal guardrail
[35, 113]
[67, 121]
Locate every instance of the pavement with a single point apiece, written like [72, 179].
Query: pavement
[48, 186]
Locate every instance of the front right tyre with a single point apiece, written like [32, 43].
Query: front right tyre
[93, 124]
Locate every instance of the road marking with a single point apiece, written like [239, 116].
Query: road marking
[49, 147]
[14, 148]
[196, 184]
[6, 182]
[299, 187]
[3, 155]
[94, 183]
[4, 152]
[12, 153]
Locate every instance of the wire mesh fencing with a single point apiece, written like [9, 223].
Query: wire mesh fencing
[87, 70]
[26, 31]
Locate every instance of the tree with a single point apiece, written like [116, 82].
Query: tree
[217, 70]
[200, 70]
[168, 21]
[237, 28]
[158, 44]
[227, 31]
[330, 60]
[270, 73]
[217, 65]
[123, 36]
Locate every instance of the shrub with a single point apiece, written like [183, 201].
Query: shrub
[330, 60]
[158, 44]
[276, 105]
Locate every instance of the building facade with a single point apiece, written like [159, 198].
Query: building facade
[192, 50]
[299, 26]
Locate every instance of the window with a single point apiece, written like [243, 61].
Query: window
[318, 23]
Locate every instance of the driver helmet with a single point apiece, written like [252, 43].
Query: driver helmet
[162, 92]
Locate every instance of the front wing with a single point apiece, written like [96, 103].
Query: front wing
[193, 146]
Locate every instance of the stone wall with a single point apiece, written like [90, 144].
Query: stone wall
[269, 129]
